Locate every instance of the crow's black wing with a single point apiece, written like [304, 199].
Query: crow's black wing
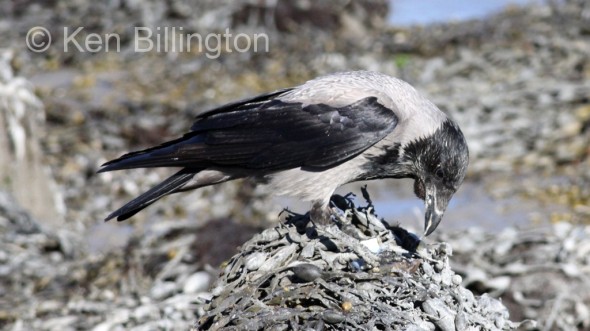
[164, 154]
[272, 135]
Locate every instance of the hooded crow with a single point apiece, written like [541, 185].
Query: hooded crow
[308, 140]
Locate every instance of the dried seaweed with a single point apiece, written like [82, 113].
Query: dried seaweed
[356, 273]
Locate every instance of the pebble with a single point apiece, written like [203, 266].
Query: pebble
[332, 317]
[499, 284]
[372, 244]
[163, 290]
[49, 306]
[197, 282]
[146, 313]
[120, 316]
[255, 260]
[307, 272]
[104, 326]
[60, 323]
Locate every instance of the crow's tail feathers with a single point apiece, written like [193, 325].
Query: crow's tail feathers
[168, 186]
[186, 151]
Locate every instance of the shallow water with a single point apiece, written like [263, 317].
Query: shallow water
[472, 206]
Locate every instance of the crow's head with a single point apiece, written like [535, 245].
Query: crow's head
[439, 164]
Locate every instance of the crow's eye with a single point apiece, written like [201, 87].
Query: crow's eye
[439, 173]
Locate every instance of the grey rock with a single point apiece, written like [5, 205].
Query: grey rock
[163, 290]
[146, 313]
[197, 282]
[104, 326]
[120, 316]
[255, 260]
[61, 323]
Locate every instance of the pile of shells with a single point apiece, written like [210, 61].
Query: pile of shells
[358, 273]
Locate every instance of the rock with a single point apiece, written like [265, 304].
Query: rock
[254, 261]
[148, 312]
[372, 244]
[104, 326]
[197, 282]
[60, 323]
[163, 290]
[120, 316]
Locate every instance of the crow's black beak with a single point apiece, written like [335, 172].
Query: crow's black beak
[435, 202]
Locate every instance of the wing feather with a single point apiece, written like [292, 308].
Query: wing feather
[268, 134]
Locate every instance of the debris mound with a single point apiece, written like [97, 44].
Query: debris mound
[356, 273]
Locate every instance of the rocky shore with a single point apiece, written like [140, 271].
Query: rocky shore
[517, 82]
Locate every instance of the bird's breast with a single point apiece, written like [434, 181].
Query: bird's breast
[315, 185]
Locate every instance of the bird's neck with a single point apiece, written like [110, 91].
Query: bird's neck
[389, 163]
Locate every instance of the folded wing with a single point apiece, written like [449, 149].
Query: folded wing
[267, 134]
